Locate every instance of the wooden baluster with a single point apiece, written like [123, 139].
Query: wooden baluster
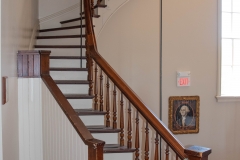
[107, 104]
[167, 152]
[96, 88]
[156, 157]
[101, 90]
[137, 138]
[129, 143]
[121, 122]
[92, 7]
[114, 108]
[147, 142]
[90, 72]
[176, 157]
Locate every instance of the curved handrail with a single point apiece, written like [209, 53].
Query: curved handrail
[125, 89]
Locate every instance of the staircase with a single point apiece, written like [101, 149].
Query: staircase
[101, 98]
[69, 71]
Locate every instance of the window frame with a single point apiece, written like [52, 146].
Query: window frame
[219, 97]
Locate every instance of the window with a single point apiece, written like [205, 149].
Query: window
[230, 48]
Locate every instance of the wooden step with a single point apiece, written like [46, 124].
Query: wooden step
[102, 129]
[89, 112]
[67, 57]
[60, 46]
[72, 20]
[61, 28]
[78, 96]
[71, 82]
[58, 37]
[68, 69]
[100, 6]
[116, 148]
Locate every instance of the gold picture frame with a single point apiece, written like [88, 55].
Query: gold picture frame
[183, 114]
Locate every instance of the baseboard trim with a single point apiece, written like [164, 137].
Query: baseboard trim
[59, 13]
[33, 36]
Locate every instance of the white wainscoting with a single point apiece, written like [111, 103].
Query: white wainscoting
[60, 140]
[45, 133]
[30, 119]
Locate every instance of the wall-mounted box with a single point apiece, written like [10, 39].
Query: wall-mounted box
[28, 64]
[183, 79]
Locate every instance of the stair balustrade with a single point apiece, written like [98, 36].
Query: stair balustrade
[156, 134]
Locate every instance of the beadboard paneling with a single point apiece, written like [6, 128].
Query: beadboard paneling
[60, 140]
[30, 119]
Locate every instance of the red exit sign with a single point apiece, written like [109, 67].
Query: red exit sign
[183, 79]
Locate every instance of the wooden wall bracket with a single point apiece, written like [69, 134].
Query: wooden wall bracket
[4, 90]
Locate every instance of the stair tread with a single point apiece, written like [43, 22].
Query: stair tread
[72, 20]
[71, 82]
[89, 112]
[116, 148]
[60, 36]
[78, 96]
[60, 46]
[61, 28]
[102, 129]
[67, 69]
[67, 57]
[100, 5]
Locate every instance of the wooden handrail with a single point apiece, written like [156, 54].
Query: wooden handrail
[151, 118]
[95, 147]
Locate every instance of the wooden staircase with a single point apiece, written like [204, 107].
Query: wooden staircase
[46, 42]
[85, 79]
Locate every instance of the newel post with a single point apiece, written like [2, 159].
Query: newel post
[44, 62]
[197, 153]
[95, 149]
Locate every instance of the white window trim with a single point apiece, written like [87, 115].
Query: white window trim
[219, 97]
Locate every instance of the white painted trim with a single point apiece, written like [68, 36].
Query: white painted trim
[111, 17]
[228, 98]
[1, 147]
[59, 13]
[219, 48]
[33, 37]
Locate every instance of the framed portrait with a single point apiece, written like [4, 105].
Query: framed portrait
[183, 114]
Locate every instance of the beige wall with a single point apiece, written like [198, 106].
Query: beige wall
[48, 7]
[130, 42]
[17, 21]
[190, 44]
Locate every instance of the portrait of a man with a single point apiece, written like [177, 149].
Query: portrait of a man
[184, 114]
[185, 117]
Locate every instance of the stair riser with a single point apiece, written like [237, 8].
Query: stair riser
[62, 41]
[81, 103]
[69, 75]
[62, 32]
[67, 63]
[93, 120]
[118, 156]
[65, 51]
[109, 138]
[74, 88]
